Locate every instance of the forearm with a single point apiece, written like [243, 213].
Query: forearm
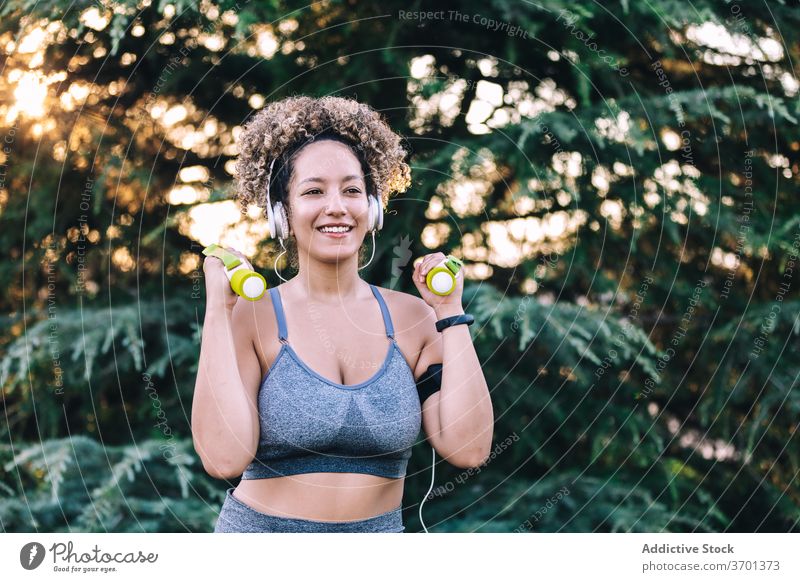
[465, 409]
[223, 428]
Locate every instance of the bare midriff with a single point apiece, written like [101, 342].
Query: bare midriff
[322, 496]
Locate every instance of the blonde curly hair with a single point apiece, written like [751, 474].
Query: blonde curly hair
[281, 129]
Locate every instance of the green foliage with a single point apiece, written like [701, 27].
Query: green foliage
[78, 485]
[139, 345]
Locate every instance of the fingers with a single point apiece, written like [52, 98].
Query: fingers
[429, 262]
[210, 262]
[418, 274]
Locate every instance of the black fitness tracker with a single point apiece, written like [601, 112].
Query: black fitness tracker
[454, 320]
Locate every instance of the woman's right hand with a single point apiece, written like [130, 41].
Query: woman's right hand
[219, 293]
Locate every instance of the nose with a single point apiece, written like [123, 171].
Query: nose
[336, 204]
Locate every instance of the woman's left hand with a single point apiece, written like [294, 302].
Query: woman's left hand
[443, 305]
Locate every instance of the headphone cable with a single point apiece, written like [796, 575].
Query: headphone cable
[433, 467]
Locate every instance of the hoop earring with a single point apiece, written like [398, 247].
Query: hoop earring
[373, 251]
[275, 264]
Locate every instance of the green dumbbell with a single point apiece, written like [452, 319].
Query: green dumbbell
[442, 278]
[244, 281]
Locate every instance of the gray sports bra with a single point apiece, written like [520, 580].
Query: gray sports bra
[310, 424]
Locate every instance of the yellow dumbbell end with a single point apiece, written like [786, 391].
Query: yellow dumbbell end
[248, 284]
[441, 281]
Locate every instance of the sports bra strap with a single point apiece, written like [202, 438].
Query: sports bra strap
[387, 319]
[277, 305]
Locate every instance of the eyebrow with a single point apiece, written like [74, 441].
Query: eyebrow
[345, 179]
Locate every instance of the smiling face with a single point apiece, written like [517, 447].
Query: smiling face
[328, 188]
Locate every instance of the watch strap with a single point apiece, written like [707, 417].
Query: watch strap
[454, 320]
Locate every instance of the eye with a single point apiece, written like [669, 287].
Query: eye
[354, 190]
[313, 190]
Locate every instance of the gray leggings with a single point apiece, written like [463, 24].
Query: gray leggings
[237, 517]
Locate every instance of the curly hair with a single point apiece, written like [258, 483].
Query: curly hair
[281, 129]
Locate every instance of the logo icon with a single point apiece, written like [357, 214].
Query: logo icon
[31, 555]
[402, 254]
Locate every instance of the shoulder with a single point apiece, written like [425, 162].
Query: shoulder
[256, 325]
[407, 306]
[247, 313]
[255, 320]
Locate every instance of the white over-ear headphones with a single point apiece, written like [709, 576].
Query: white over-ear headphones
[278, 221]
[278, 228]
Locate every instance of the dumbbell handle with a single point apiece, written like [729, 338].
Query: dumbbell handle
[244, 281]
[228, 258]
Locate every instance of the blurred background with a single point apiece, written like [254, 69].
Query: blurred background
[621, 179]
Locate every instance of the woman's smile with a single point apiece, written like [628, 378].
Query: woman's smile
[336, 231]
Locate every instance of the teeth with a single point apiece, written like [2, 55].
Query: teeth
[335, 228]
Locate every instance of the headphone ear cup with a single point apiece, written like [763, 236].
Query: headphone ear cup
[371, 214]
[379, 211]
[274, 223]
[271, 221]
[375, 214]
[281, 221]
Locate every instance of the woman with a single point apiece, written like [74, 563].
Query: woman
[320, 413]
